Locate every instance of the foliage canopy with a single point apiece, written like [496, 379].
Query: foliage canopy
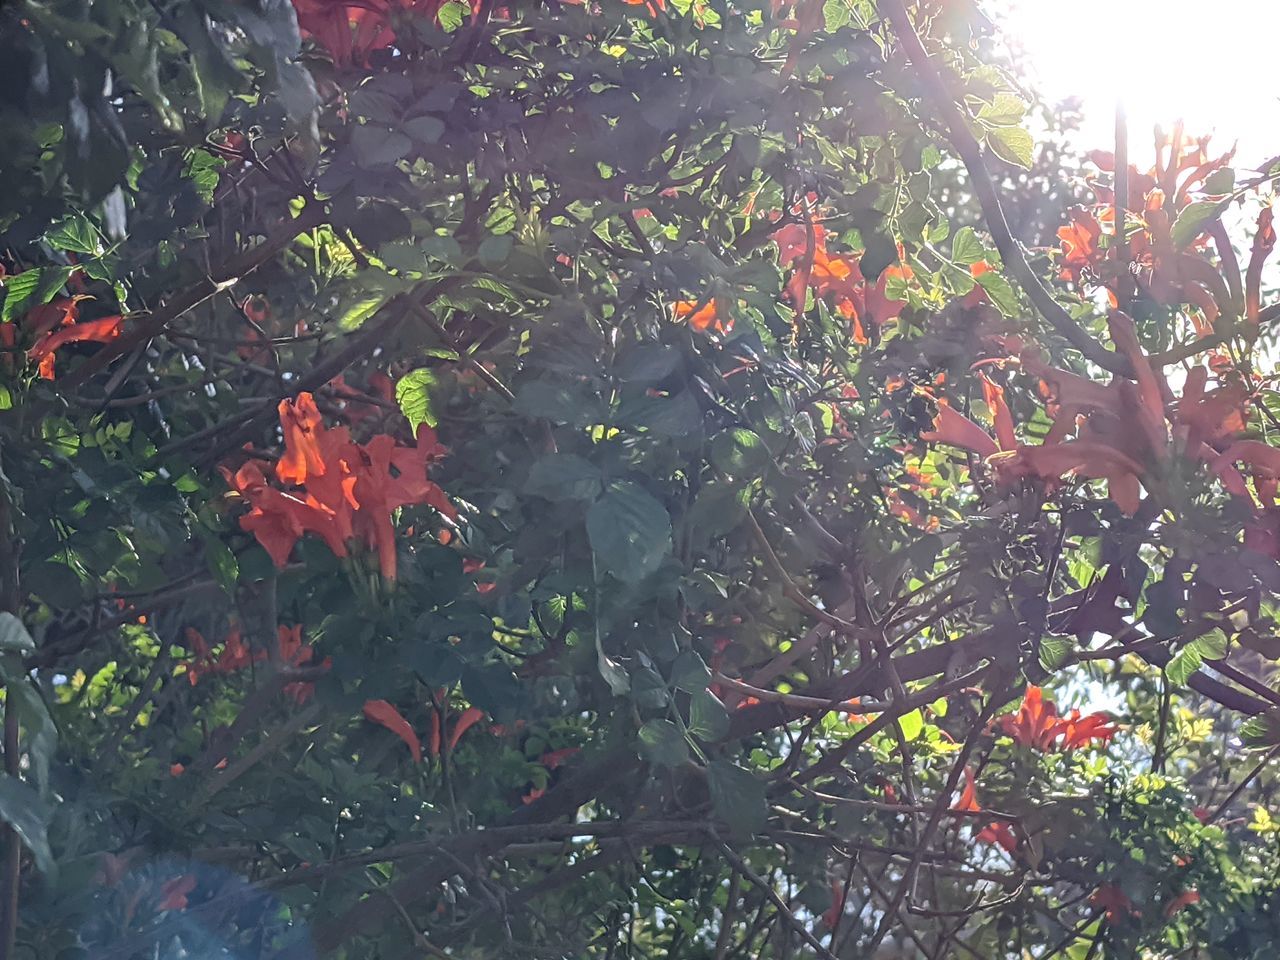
[606, 479]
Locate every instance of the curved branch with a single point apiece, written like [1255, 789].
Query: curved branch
[993, 212]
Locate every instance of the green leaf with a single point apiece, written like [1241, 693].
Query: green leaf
[689, 672]
[1012, 144]
[564, 476]
[413, 395]
[425, 129]
[740, 453]
[204, 170]
[32, 288]
[966, 248]
[42, 734]
[24, 810]
[1220, 181]
[630, 531]
[1000, 292]
[361, 309]
[881, 252]
[718, 509]
[1213, 645]
[14, 637]
[222, 563]
[75, 233]
[708, 719]
[1184, 663]
[1194, 220]
[911, 724]
[662, 742]
[614, 673]
[553, 400]
[737, 796]
[648, 363]
[1005, 110]
[1262, 730]
[835, 13]
[494, 250]
[1054, 652]
[377, 146]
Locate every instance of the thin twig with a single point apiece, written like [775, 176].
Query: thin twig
[784, 909]
[1240, 788]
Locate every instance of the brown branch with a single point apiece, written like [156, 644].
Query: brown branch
[984, 187]
[184, 301]
[783, 908]
[11, 603]
[994, 702]
[792, 591]
[1240, 788]
[269, 745]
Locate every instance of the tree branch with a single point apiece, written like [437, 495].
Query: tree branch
[993, 212]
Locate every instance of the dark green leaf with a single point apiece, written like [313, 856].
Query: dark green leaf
[708, 719]
[689, 672]
[14, 637]
[737, 797]
[563, 476]
[662, 743]
[425, 129]
[23, 809]
[630, 531]
[378, 146]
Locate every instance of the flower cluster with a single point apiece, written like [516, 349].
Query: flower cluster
[350, 32]
[52, 326]
[235, 655]
[385, 714]
[1160, 247]
[837, 276]
[1038, 725]
[1121, 433]
[336, 488]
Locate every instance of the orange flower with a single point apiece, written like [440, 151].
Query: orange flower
[1185, 899]
[350, 489]
[553, 759]
[1264, 241]
[173, 895]
[1111, 899]
[1037, 725]
[301, 423]
[956, 430]
[703, 315]
[95, 331]
[383, 713]
[469, 718]
[1000, 834]
[1034, 724]
[294, 653]
[350, 32]
[968, 801]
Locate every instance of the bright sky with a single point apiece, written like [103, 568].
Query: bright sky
[1213, 63]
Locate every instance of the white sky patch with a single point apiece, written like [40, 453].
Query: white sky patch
[1215, 66]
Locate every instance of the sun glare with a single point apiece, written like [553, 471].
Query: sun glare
[1210, 63]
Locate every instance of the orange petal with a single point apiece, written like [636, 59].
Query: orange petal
[381, 712]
